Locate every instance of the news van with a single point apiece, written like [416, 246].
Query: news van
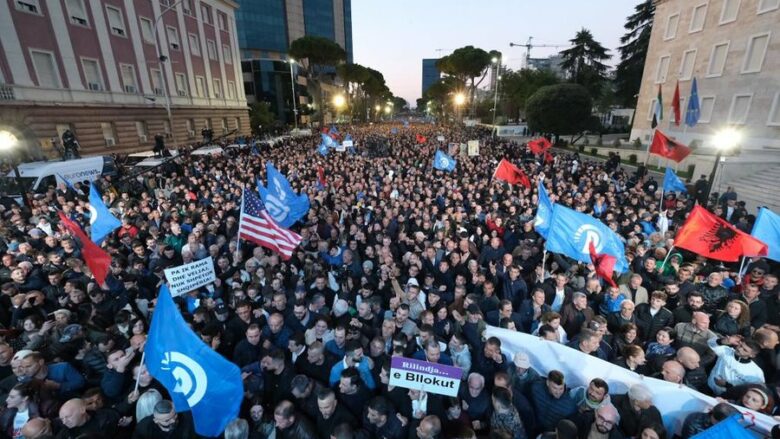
[38, 176]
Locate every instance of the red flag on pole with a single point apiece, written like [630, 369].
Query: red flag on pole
[676, 104]
[321, 176]
[421, 138]
[96, 258]
[511, 174]
[705, 234]
[604, 263]
[666, 147]
[540, 145]
[548, 158]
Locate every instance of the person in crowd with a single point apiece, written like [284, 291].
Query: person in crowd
[636, 409]
[551, 400]
[735, 363]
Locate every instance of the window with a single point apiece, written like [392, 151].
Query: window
[157, 82]
[231, 90]
[190, 125]
[698, 18]
[92, 74]
[147, 31]
[671, 26]
[205, 13]
[662, 69]
[718, 59]
[142, 130]
[30, 6]
[706, 105]
[767, 5]
[181, 84]
[115, 21]
[237, 123]
[200, 87]
[754, 55]
[217, 88]
[221, 21]
[224, 125]
[226, 55]
[77, 12]
[45, 69]
[686, 64]
[167, 128]
[128, 78]
[651, 110]
[187, 7]
[730, 11]
[740, 107]
[194, 44]
[207, 122]
[173, 37]
[211, 47]
[109, 133]
[774, 113]
[61, 128]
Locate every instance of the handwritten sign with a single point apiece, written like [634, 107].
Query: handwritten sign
[473, 147]
[188, 277]
[422, 375]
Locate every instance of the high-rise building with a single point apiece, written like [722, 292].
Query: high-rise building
[551, 63]
[266, 28]
[109, 70]
[430, 73]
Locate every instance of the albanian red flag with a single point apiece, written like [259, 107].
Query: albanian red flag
[321, 176]
[511, 174]
[666, 147]
[548, 158]
[604, 263]
[421, 138]
[705, 234]
[97, 259]
[539, 145]
[676, 104]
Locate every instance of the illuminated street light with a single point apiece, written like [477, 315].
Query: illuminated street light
[460, 99]
[388, 109]
[8, 141]
[339, 101]
[724, 140]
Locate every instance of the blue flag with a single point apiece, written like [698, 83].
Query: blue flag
[572, 232]
[444, 162]
[672, 182]
[323, 149]
[693, 111]
[767, 229]
[406, 124]
[102, 223]
[68, 184]
[255, 150]
[348, 138]
[393, 130]
[327, 140]
[543, 212]
[197, 378]
[284, 205]
[727, 428]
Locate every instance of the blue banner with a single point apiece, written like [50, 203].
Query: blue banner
[767, 229]
[444, 162]
[672, 182]
[285, 206]
[102, 223]
[543, 211]
[693, 112]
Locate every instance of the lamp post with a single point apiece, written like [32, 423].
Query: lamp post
[292, 86]
[160, 62]
[459, 100]
[724, 140]
[8, 142]
[338, 102]
[497, 62]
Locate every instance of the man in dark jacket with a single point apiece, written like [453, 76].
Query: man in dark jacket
[289, 424]
[636, 409]
[603, 422]
[330, 413]
[652, 317]
[552, 402]
[165, 423]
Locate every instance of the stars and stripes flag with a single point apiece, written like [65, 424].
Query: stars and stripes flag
[256, 225]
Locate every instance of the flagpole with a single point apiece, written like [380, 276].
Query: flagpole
[240, 221]
[663, 264]
[138, 375]
[741, 267]
[544, 271]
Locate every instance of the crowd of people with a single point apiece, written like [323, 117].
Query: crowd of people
[396, 259]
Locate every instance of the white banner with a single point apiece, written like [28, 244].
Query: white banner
[422, 375]
[346, 143]
[188, 277]
[674, 401]
[473, 146]
[440, 138]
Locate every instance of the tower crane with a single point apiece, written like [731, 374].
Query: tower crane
[529, 45]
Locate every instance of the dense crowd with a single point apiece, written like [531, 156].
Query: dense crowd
[397, 259]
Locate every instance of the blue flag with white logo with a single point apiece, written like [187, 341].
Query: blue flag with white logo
[693, 112]
[102, 223]
[393, 130]
[767, 229]
[572, 232]
[197, 378]
[672, 182]
[323, 149]
[285, 206]
[543, 212]
[327, 140]
[444, 162]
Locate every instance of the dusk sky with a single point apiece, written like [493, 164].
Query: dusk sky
[393, 37]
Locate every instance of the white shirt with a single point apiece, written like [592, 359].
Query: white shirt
[730, 369]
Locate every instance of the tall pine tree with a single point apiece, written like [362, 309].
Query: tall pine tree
[584, 62]
[628, 74]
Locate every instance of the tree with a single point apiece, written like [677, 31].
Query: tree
[517, 87]
[584, 61]
[628, 74]
[316, 55]
[559, 109]
[442, 90]
[261, 117]
[467, 64]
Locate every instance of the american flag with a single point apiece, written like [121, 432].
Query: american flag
[257, 225]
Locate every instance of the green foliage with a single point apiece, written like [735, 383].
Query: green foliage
[637, 143]
[632, 158]
[628, 74]
[584, 61]
[261, 117]
[517, 87]
[594, 151]
[559, 109]
[316, 53]
[466, 64]
[581, 148]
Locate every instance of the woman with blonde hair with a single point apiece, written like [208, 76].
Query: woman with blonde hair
[734, 320]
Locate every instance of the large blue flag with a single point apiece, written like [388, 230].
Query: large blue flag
[767, 229]
[693, 111]
[197, 378]
[323, 149]
[327, 140]
[572, 232]
[102, 223]
[727, 428]
[672, 182]
[543, 211]
[444, 162]
[284, 205]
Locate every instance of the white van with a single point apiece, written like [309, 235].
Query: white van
[38, 176]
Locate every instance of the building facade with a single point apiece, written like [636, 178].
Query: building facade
[266, 28]
[430, 73]
[92, 67]
[732, 48]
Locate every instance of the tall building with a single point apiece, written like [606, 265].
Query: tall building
[266, 28]
[551, 63]
[92, 67]
[430, 73]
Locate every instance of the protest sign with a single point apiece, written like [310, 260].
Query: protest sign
[440, 138]
[422, 375]
[188, 277]
[473, 146]
[347, 143]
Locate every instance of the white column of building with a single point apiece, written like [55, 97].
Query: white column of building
[104, 41]
[65, 46]
[184, 38]
[240, 94]
[220, 53]
[206, 59]
[162, 40]
[138, 48]
[13, 48]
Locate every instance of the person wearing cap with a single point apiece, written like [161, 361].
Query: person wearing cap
[521, 373]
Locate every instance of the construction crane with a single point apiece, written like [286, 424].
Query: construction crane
[529, 45]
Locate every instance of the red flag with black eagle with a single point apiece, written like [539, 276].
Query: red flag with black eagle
[708, 235]
[665, 147]
[604, 263]
[511, 174]
[421, 138]
[96, 258]
[540, 145]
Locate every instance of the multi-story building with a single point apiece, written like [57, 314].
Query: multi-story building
[109, 70]
[551, 63]
[430, 73]
[266, 28]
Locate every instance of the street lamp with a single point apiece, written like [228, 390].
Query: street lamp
[459, 100]
[497, 62]
[338, 102]
[723, 140]
[160, 60]
[8, 142]
[292, 86]
[388, 109]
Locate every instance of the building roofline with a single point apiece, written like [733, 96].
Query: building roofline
[232, 3]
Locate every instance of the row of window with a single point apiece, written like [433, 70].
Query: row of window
[48, 76]
[752, 62]
[739, 109]
[728, 14]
